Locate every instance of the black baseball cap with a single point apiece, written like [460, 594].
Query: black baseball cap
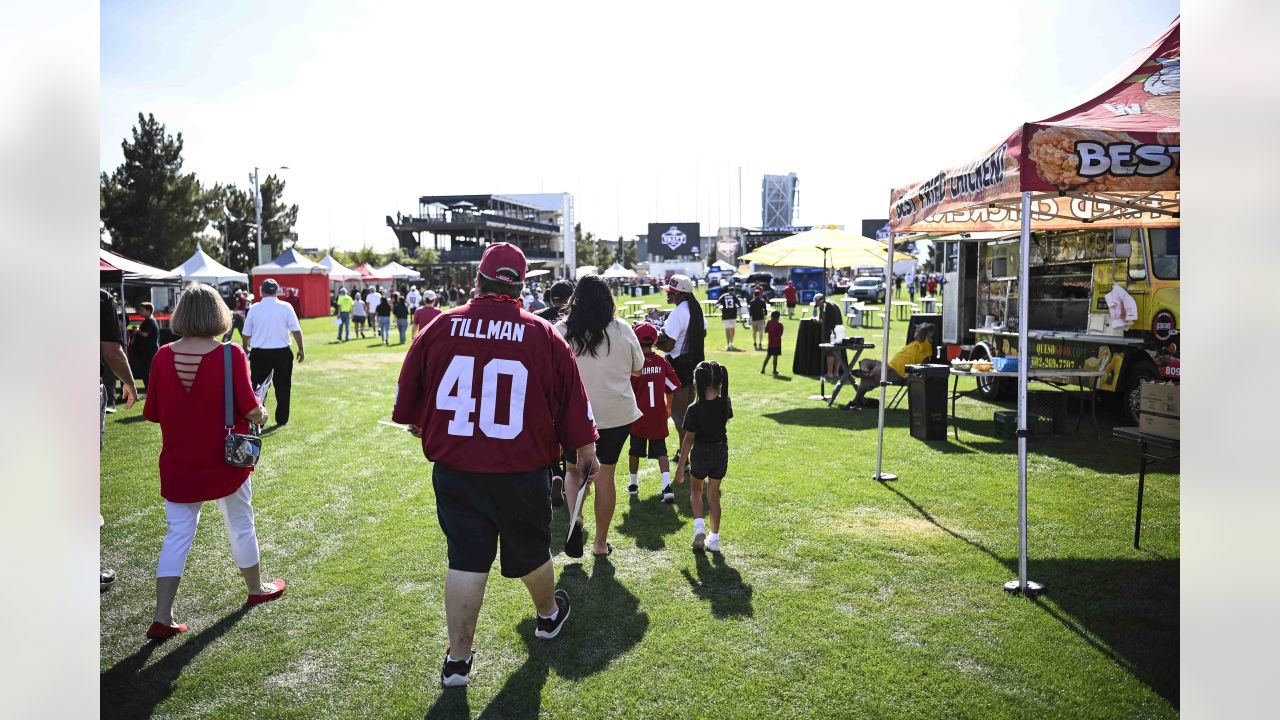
[561, 290]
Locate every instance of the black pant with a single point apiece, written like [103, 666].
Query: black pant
[264, 360]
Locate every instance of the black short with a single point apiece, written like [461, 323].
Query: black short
[652, 449]
[608, 447]
[357, 319]
[479, 511]
[773, 351]
[709, 460]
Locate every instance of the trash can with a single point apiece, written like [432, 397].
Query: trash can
[927, 401]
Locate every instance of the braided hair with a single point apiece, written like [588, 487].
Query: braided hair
[709, 374]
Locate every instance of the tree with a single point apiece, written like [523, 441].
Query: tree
[584, 245]
[153, 211]
[237, 225]
[278, 219]
[627, 253]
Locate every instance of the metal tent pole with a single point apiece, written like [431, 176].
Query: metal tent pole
[884, 363]
[1023, 586]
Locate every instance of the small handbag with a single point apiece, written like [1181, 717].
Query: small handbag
[238, 450]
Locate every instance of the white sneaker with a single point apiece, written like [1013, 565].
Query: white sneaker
[713, 544]
[667, 495]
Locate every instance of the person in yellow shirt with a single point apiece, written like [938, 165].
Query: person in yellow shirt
[914, 352]
[344, 314]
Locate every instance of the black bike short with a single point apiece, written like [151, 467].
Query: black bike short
[608, 447]
[644, 448]
[482, 512]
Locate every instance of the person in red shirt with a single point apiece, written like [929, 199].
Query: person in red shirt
[494, 391]
[774, 330]
[425, 314]
[186, 396]
[653, 388]
[792, 297]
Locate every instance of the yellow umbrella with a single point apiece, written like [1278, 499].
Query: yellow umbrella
[822, 248]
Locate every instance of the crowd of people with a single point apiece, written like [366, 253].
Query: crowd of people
[477, 386]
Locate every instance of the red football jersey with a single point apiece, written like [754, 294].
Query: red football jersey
[494, 389]
[657, 378]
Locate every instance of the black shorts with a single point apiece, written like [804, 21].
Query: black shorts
[479, 512]
[608, 447]
[652, 449]
[773, 351]
[357, 319]
[709, 460]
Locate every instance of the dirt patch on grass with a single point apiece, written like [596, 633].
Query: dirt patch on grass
[880, 524]
[359, 361]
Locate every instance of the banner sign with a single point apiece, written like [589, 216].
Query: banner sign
[674, 239]
[1051, 212]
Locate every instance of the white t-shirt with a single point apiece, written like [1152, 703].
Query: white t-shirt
[607, 376]
[413, 298]
[372, 301]
[269, 323]
[677, 327]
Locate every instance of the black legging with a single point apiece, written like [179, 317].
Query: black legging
[261, 363]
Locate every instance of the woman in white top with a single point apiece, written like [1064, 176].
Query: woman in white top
[608, 355]
[358, 313]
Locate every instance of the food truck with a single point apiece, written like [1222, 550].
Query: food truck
[1100, 299]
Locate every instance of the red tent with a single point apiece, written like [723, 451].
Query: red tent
[369, 274]
[303, 282]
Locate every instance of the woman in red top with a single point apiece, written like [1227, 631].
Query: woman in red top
[185, 395]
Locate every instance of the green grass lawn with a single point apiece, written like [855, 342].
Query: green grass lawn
[836, 596]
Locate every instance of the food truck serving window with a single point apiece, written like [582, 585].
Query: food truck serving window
[1165, 249]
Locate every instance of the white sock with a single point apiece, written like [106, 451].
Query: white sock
[452, 658]
[699, 525]
[666, 479]
[633, 478]
[713, 536]
[552, 616]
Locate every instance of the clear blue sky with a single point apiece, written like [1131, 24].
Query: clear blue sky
[644, 112]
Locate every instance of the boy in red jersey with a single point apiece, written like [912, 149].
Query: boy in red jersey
[774, 330]
[653, 388]
[493, 392]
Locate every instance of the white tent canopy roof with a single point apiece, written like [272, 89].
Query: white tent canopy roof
[399, 272]
[201, 267]
[338, 271]
[291, 262]
[135, 271]
[617, 271]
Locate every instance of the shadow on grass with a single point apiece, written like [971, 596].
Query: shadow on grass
[132, 419]
[721, 585]
[130, 690]
[452, 703]
[823, 416]
[1084, 449]
[649, 521]
[605, 622]
[1127, 610]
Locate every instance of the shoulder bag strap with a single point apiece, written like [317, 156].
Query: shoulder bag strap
[226, 385]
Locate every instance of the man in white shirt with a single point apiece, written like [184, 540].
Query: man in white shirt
[683, 342]
[413, 298]
[266, 330]
[372, 301]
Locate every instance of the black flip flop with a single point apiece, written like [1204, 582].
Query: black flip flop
[573, 546]
[607, 554]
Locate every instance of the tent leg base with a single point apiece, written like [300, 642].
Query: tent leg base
[1034, 589]
[884, 477]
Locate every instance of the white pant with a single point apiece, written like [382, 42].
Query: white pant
[237, 512]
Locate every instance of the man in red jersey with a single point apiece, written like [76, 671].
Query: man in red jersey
[494, 391]
[653, 388]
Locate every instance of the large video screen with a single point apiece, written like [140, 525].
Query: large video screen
[672, 239]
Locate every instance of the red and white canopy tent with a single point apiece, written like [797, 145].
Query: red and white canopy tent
[299, 272]
[370, 275]
[1112, 160]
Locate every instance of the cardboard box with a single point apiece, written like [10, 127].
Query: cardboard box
[1159, 398]
[1161, 425]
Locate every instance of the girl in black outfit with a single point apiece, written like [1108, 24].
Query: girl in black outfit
[400, 309]
[706, 444]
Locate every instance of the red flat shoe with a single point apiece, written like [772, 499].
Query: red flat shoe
[268, 597]
[160, 631]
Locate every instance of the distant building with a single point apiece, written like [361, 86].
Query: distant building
[779, 198]
[459, 227]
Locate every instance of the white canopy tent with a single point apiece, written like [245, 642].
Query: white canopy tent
[337, 271]
[583, 271]
[201, 267]
[399, 272]
[290, 262]
[617, 272]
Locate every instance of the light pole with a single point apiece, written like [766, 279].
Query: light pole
[257, 204]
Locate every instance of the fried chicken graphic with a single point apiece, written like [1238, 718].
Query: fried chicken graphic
[1054, 153]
